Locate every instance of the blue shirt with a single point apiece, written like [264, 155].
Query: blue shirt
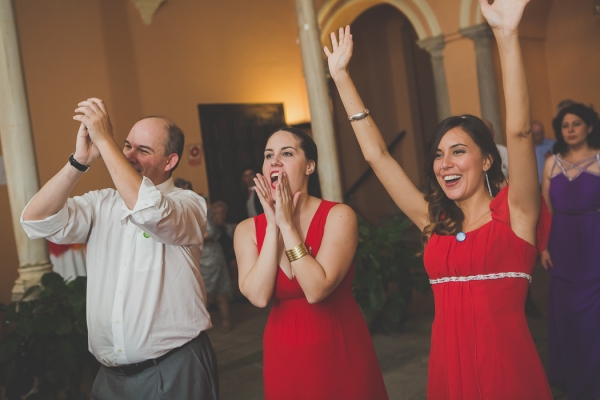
[541, 153]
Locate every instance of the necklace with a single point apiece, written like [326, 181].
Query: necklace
[461, 236]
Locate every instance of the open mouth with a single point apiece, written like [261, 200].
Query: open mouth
[274, 179]
[451, 180]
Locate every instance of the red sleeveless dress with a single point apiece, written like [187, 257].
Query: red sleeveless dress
[317, 351]
[481, 347]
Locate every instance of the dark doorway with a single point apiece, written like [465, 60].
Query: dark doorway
[234, 138]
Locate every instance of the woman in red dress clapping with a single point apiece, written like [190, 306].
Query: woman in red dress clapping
[299, 254]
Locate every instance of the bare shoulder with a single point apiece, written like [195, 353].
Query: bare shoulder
[341, 221]
[341, 213]
[549, 162]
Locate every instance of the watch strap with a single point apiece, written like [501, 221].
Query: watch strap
[77, 164]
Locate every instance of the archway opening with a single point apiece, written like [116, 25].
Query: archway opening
[395, 79]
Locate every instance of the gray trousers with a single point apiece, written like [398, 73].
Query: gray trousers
[189, 373]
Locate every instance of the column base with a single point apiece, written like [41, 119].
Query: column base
[29, 276]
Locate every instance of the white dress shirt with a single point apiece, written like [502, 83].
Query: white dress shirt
[145, 295]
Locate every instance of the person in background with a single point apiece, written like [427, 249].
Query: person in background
[571, 186]
[183, 184]
[543, 146]
[219, 210]
[501, 148]
[146, 311]
[563, 104]
[213, 265]
[253, 205]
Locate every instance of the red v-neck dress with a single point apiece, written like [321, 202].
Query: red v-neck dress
[317, 351]
[481, 347]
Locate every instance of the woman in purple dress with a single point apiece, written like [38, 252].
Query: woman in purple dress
[571, 187]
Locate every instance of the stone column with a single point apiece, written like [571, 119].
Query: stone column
[318, 99]
[19, 154]
[435, 46]
[486, 78]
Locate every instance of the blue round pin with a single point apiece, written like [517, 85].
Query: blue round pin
[461, 236]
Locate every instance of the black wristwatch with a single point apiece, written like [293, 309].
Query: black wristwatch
[77, 165]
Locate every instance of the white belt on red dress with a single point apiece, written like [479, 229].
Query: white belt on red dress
[485, 277]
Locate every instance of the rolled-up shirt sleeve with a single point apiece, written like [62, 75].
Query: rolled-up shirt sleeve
[177, 218]
[70, 225]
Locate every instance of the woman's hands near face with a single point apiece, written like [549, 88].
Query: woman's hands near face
[339, 58]
[281, 211]
[285, 202]
[263, 189]
[503, 15]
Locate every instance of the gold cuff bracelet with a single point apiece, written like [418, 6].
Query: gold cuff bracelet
[297, 252]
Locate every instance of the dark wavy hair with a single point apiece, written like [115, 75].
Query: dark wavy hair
[309, 147]
[588, 115]
[445, 217]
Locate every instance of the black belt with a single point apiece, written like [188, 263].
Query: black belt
[132, 369]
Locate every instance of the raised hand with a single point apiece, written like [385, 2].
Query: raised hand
[504, 15]
[94, 116]
[263, 190]
[339, 58]
[285, 203]
[86, 151]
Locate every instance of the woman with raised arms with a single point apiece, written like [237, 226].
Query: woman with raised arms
[480, 242]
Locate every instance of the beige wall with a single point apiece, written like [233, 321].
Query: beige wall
[194, 52]
[573, 53]
[461, 73]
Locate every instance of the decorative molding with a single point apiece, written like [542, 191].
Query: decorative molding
[417, 12]
[148, 8]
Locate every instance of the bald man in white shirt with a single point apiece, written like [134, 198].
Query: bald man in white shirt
[146, 311]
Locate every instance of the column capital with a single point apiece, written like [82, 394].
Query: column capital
[478, 33]
[434, 45]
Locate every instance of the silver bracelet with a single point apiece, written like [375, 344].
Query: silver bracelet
[361, 115]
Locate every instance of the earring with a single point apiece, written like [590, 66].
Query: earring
[487, 180]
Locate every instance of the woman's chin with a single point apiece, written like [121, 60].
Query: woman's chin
[453, 193]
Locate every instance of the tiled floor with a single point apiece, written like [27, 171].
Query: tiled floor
[402, 356]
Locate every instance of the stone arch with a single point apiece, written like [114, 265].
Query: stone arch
[470, 13]
[336, 13]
